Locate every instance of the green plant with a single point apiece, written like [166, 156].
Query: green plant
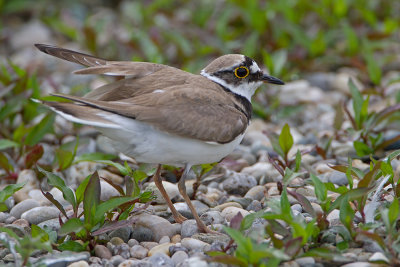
[7, 192]
[282, 145]
[96, 214]
[26, 245]
[368, 127]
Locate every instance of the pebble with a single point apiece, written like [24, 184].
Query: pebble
[58, 195]
[116, 241]
[297, 207]
[124, 233]
[170, 188]
[258, 170]
[138, 252]
[176, 239]
[255, 205]
[141, 233]
[189, 228]
[40, 214]
[133, 242]
[31, 182]
[183, 208]
[79, 264]
[37, 195]
[195, 244]
[229, 212]
[227, 204]
[62, 258]
[305, 261]
[149, 245]
[359, 264]
[135, 263]
[107, 191]
[53, 224]
[338, 178]
[4, 216]
[238, 183]
[19, 230]
[161, 259]
[243, 201]
[158, 226]
[211, 238]
[23, 206]
[212, 217]
[10, 220]
[333, 218]
[115, 178]
[378, 257]
[256, 193]
[164, 239]
[179, 257]
[116, 260]
[162, 248]
[102, 252]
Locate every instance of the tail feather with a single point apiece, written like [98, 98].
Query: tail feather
[73, 56]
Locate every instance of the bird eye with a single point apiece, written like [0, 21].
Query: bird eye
[241, 72]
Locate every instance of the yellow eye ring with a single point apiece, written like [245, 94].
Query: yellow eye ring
[242, 72]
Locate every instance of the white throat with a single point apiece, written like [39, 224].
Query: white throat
[246, 89]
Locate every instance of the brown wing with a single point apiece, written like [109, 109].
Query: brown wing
[181, 111]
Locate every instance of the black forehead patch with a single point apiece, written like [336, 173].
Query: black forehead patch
[248, 61]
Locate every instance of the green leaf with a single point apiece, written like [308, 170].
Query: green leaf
[71, 245]
[349, 196]
[73, 225]
[36, 231]
[285, 204]
[274, 138]
[346, 214]
[362, 149]
[286, 139]
[91, 198]
[5, 143]
[357, 102]
[94, 157]
[289, 176]
[81, 190]
[9, 190]
[393, 211]
[297, 161]
[110, 205]
[321, 191]
[5, 164]
[124, 171]
[38, 131]
[59, 183]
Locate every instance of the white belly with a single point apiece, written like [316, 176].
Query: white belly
[149, 145]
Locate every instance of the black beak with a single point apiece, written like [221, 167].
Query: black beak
[269, 79]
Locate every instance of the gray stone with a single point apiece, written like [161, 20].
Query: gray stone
[258, 170]
[102, 252]
[229, 212]
[255, 205]
[195, 244]
[189, 228]
[179, 256]
[183, 208]
[31, 182]
[333, 218]
[37, 195]
[122, 250]
[297, 207]
[305, 261]
[257, 192]
[212, 217]
[53, 224]
[40, 214]
[173, 249]
[138, 252]
[165, 239]
[158, 226]
[79, 264]
[135, 263]
[23, 206]
[62, 259]
[132, 242]
[4, 216]
[170, 188]
[338, 178]
[116, 260]
[238, 183]
[211, 238]
[160, 259]
[243, 201]
[107, 191]
[124, 233]
[19, 230]
[141, 233]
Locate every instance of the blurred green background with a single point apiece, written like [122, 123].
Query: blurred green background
[289, 37]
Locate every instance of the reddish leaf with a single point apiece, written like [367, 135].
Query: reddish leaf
[117, 187]
[304, 202]
[236, 221]
[55, 202]
[293, 246]
[33, 156]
